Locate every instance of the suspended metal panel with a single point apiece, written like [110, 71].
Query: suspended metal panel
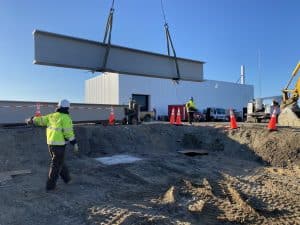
[64, 51]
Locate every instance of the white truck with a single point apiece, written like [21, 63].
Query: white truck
[215, 114]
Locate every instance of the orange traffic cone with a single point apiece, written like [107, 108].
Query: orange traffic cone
[111, 120]
[233, 124]
[178, 117]
[38, 110]
[272, 122]
[172, 117]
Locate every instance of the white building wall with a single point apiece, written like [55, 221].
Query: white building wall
[102, 89]
[164, 92]
[111, 88]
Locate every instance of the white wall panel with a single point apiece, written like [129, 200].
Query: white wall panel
[164, 92]
[206, 94]
[18, 111]
[102, 88]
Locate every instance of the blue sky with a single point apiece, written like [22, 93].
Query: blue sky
[223, 33]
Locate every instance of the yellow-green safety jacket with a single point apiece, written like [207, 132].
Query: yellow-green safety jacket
[190, 106]
[59, 127]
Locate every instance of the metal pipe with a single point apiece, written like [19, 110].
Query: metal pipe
[242, 74]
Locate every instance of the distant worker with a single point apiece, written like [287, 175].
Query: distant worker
[276, 107]
[133, 112]
[131, 104]
[275, 103]
[190, 108]
[154, 114]
[59, 133]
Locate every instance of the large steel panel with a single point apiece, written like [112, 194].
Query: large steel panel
[59, 50]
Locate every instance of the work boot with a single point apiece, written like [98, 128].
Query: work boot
[50, 186]
[65, 175]
[68, 180]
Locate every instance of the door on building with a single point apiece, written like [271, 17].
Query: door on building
[142, 100]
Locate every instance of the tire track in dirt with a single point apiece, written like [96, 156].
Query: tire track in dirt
[251, 199]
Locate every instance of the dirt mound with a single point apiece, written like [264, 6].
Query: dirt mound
[229, 185]
[280, 148]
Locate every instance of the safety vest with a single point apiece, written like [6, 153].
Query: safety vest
[190, 105]
[59, 127]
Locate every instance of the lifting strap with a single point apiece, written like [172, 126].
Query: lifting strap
[170, 44]
[107, 35]
[107, 40]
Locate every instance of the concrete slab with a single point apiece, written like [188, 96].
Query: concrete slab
[118, 159]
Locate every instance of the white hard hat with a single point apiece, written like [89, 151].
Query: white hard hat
[64, 103]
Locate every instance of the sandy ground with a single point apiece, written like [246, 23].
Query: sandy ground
[250, 176]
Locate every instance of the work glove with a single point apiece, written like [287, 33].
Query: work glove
[29, 121]
[76, 148]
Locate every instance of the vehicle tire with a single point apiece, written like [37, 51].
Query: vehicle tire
[147, 118]
[124, 121]
[134, 121]
[257, 120]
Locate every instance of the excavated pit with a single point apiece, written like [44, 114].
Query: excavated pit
[249, 176]
[281, 148]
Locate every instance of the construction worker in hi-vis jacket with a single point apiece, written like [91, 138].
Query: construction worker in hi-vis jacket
[59, 133]
[190, 108]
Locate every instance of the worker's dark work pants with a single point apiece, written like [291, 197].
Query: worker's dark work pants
[57, 166]
[191, 117]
